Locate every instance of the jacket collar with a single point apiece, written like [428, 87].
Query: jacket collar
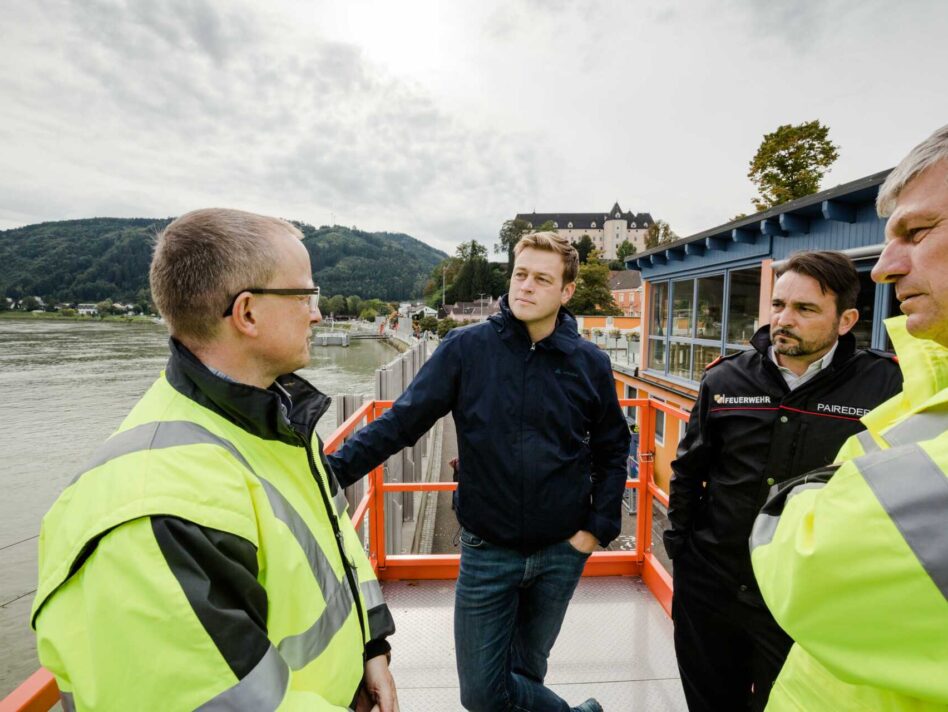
[844, 351]
[259, 411]
[924, 366]
[565, 337]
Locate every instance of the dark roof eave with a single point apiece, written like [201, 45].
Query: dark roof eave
[844, 189]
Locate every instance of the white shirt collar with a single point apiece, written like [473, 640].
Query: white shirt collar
[793, 380]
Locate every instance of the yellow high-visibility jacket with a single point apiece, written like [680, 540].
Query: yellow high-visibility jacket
[204, 559]
[854, 563]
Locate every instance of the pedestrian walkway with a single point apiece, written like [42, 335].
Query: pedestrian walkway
[616, 645]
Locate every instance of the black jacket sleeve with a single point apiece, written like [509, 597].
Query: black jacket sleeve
[609, 442]
[218, 573]
[689, 474]
[430, 396]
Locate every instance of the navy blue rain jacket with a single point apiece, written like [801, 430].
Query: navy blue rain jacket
[542, 440]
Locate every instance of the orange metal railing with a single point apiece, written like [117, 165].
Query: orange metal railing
[39, 692]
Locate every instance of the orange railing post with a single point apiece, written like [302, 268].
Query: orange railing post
[643, 528]
[38, 693]
[377, 509]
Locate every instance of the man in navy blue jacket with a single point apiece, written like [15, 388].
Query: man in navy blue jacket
[543, 446]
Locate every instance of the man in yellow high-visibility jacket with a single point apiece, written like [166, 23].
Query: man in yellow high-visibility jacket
[853, 559]
[203, 558]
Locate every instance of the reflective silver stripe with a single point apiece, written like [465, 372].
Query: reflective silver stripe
[913, 490]
[68, 704]
[868, 443]
[301, 649]
[156, 436]
[262, 689]
[371, 594]
[926, 425]
[341, 502]
[180, 433]
[765, 526]
[315, 555]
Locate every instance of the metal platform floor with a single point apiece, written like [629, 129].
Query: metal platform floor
[616, 645]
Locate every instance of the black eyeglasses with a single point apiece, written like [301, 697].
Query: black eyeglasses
[313, 295]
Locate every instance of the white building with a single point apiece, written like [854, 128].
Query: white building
[606, 230]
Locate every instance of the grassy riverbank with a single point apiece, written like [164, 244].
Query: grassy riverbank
[56, 316]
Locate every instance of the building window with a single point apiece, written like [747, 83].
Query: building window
[659, 309]
[530, 224]
[569, 225]
[689, 327]
[659, 425]
[556, 225]
[633, 224]
[743, 305]
[710, 309]
[592, 224]
[683, 307]
[618, 215]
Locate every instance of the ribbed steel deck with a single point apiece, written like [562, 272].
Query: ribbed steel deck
[616, 645]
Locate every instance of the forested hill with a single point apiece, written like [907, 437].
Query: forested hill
[98, 258]
[383, 265]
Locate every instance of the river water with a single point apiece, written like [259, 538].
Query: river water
[64, 387]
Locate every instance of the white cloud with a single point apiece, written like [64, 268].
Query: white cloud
[443, 119]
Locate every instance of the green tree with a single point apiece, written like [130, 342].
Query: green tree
[659, 232]
[368, 314]
[104, 307]
[143, 301]
[592, 296]
[545, 227]
[376, 305]
[791, 162]
[626, 249]
[510, 234]
[428, 323]
[474, 277]
[29, 303]
[336, 305]
[584, 246]
[445, 325]
[353, 305]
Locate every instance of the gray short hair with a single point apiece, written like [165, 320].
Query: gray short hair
[203, 259]
[929, 152]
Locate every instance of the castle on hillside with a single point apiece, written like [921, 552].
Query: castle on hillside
[606, 230]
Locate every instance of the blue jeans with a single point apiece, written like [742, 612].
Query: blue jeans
[508, 610]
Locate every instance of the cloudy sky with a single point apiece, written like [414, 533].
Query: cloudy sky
[443, 119]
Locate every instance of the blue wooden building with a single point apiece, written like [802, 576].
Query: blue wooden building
[705, 295]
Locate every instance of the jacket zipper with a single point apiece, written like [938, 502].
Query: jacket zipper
[347, 567]
[523, 408]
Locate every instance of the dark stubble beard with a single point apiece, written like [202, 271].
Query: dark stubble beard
[804, 348]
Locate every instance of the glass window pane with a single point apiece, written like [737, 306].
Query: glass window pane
[656, 355]
[683, 302]
[865, 303]
[710, 307]
[679, 360]
[743, 305]
[659, 309]
[704, 355]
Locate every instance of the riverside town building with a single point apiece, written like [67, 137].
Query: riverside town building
[705, 295]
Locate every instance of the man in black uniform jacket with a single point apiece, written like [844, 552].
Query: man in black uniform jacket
[763, 416]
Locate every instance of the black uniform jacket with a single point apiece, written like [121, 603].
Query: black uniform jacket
[748, 431]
